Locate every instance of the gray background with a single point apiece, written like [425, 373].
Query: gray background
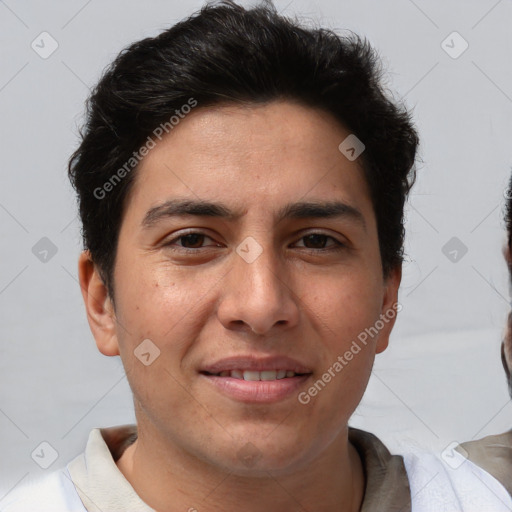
[441, 379]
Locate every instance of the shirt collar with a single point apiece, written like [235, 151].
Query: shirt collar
[101, 485]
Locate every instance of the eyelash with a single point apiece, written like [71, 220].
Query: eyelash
[170, 244]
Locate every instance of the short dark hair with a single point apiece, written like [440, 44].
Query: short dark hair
[225, 54]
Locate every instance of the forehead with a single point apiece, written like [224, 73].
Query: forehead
[264, 155]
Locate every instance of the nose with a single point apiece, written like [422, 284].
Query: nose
[258, 295]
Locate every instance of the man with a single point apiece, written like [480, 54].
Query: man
[506, 346]
[494, 453]
[241, 183]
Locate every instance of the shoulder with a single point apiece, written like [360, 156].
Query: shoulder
[493, 454]
[452, 484]
[54, 492]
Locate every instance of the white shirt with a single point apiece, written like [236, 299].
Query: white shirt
[92, 482]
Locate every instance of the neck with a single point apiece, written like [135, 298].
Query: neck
[167, 478]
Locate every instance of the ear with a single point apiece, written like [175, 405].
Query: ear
[99, 307]
[390, 307]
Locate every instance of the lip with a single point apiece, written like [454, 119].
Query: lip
[259, 391]
[263, 391]
[254, 363]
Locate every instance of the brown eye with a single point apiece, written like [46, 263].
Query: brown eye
[192, 240]
[319, 241]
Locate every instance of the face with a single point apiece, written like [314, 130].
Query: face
[276, 279]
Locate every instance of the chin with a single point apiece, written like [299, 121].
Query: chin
[251, 462]
[257, 457]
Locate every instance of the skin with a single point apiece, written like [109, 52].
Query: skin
[299, 298]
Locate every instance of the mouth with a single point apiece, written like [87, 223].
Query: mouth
[252, 375]
[257, 380]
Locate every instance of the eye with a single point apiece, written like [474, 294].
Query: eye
[194, 240]
[318, 241]
[189, 241]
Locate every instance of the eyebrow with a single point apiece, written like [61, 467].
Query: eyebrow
[299, 210]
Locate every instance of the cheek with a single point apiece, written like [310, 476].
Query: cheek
[167, 308]
[150, 296]
[338, 389]
[160, 318]
[345, 307]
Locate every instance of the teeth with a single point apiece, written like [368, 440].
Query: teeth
[254, 375]
[248, 375]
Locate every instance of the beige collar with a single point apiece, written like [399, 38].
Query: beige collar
[103, 488]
